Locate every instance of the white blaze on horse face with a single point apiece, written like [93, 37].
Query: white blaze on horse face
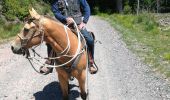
[16, 44]
[34, 14]
[29, 26]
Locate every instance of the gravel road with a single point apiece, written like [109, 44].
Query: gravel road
[121, 76]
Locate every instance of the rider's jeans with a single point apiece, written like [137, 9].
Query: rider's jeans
[89, 40]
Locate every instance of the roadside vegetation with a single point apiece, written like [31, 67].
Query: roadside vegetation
[148, 35]
[13, 12]
[8, 29]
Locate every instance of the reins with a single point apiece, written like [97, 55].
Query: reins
[64, 53]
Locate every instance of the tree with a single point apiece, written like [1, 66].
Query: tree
[158, 5]
[138, 7]
[119, 6]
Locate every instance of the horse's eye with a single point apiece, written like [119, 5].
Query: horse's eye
[26, 30]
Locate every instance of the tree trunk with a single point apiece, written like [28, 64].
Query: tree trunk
[158, 5]
[138, 7]
[119, 6]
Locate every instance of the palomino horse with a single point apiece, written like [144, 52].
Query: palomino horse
[53, 33]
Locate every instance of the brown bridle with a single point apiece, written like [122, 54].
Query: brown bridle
[26, 40]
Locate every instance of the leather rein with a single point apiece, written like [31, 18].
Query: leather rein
[64, 53]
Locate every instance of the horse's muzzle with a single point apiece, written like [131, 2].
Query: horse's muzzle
[17, 51]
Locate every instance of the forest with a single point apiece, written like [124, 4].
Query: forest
[130, 6]
[19, 8]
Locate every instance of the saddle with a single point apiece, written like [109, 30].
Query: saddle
[92, 35]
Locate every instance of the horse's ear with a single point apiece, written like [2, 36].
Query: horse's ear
[34, 14]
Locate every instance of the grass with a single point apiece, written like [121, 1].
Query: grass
[144, 37]
[8, 30]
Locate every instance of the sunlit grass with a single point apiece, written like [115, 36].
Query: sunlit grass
[143, 35]
[9, 30]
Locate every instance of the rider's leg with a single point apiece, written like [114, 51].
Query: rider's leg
[89, 41]
[90, 44]
[46, 70]
[49, 49]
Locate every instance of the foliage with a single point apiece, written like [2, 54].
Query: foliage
[15, 8]
[8, 29]
[167, 56]
[127, 8]
[96, 10]
[15, 11]
[130, 5]
[143, 35]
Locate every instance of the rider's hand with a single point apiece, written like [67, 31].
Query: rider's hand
[69, 20]
[82, 25]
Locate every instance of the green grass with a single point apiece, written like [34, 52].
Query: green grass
[144, 37]
[8, 30]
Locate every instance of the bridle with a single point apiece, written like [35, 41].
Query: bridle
[64, 53]
[26, 40]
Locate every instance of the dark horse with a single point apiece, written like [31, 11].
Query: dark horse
[53, 33]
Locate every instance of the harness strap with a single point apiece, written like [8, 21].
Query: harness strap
[76, 61]
[74, 58]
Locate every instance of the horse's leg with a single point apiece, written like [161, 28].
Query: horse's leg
[81, 80]
[63, 79]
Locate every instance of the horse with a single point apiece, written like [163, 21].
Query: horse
[40, 28]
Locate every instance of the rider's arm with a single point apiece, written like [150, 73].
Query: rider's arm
[86, 10]
[57, 13]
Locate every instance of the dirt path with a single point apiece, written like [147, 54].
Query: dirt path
[121, 75]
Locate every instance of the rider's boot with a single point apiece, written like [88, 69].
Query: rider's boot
[46, 70]
[92, 68]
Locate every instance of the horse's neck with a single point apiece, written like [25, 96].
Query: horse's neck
[54, 36]
[57, 38]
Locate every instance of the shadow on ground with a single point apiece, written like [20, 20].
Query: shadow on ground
[52, 91]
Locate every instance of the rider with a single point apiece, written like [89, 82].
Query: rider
[67, 10]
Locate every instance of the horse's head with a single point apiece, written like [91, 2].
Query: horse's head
[30, 35]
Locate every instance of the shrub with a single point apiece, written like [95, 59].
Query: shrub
[1, 22]
[167, 56]
[127, 9]
[140, 18]
[96, 10]
[9, 30]
[12, 10]
[15, 8]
